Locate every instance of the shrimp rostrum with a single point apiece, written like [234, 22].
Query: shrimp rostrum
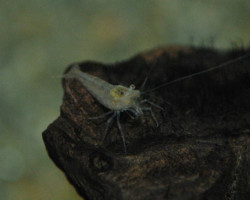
[117, 98]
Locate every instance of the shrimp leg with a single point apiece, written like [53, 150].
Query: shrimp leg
[152, 114]
[108, 124]
[132, 111]
[151, 103]
[121, 132]
[101, 116]
[132, 117]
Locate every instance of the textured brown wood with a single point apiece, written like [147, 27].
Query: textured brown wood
[199, 151]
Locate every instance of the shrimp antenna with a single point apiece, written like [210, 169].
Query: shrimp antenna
[198, 73]
[146, 78]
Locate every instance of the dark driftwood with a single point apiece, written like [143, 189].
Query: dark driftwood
[199, 151]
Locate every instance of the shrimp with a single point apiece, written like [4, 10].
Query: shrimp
[118, 98]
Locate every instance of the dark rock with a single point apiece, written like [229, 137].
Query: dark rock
[199, 151]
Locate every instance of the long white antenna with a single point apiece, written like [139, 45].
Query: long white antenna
[201, 72]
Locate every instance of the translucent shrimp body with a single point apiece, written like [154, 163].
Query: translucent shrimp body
[117, 98]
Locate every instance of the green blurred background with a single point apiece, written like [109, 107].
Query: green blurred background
[38, 39]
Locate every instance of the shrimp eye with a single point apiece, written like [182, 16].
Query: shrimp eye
[132, 86]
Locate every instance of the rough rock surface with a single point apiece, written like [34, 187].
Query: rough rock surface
[199, 151]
